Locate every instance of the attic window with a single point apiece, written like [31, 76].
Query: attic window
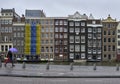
[93, 22]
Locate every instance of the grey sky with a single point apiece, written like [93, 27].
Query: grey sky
[99, 8]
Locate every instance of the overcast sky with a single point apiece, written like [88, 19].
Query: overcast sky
[99, 8]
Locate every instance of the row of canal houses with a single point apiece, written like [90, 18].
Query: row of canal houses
[77, 37]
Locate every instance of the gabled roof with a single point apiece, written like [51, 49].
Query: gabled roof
[77, 15]
[109, 19]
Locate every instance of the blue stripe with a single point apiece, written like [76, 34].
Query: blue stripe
[33, 39]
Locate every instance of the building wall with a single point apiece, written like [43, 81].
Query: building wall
[61, 41]
[94, 50]
[47, 39]
[118, 41]
[109, 39]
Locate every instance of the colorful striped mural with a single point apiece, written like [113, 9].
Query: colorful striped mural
[32, 39]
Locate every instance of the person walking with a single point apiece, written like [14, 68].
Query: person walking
[9, 58]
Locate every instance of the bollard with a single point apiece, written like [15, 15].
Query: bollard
[24, 66]
[0, 63]
[71, 66]
[94, 67]
[117, 67]
[47, 66]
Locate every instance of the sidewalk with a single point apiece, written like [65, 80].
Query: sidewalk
[59, 71]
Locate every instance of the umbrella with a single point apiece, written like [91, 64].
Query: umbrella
[13, 50]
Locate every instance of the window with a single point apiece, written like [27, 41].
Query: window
[113, 48]
[108, 32]
[82, 39]
[104, 39]
[65, 29]
[104, 32]
[89, 29]
[51, 49]
[47, 42]
[94, 30]
[42, 41]
[77, 48]
[77, 30]
[83, 48]
[71, 39]
[71, 24]
[65, 22]
[89, 35]
[56, 35]
[113, 32]
[109, 39]
[118, 36]
[51, 35]
[71, 30]
[109, 48]
[61, 35]
[65, 35]
[113, 39]
[47, 49]
[118, 30]
[77, 39]
[105, 48]
[65, 42]
[56, 29]
[93, 22]
[71, 48]
[118, 43]
[105, 56]
[43, 35]
[61, 22]
[61, 29]
[118, 51]
[89, 50]
[99, 29]
[82, 23]
[51, 29]
[42, 49]
[56, 23]
[14, 34]
[43, 29]
[83, 30]
[71, 56]
[2, 47]
[77, 24]
[82, 55]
